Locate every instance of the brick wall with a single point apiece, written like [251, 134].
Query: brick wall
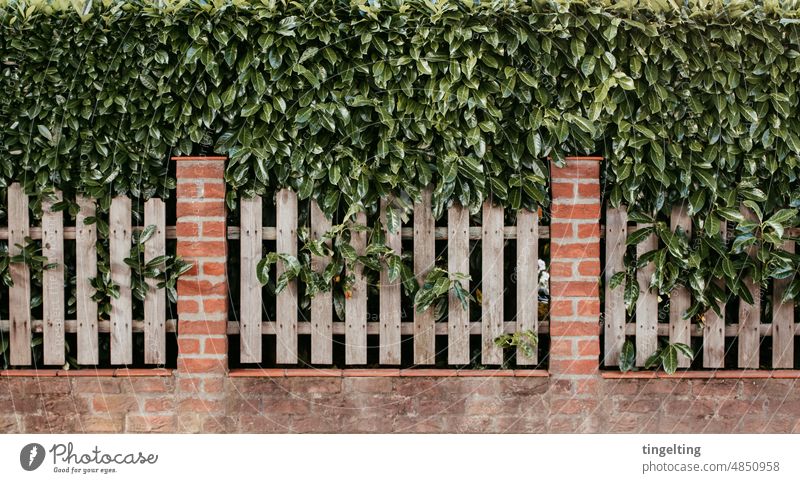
[574, 396]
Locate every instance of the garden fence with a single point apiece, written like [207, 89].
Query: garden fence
[747, 330]
[86, 325]
[389, 328]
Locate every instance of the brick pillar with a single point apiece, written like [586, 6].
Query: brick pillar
[202, 294]
[574, 288]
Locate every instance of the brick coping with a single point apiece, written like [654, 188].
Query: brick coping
[387, 373]
[721, 374]
[86, 373]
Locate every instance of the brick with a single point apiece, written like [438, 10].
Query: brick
[216, 345]
[159, 405]
[201, 287]
[561, 308]
[214, 190]
[188, 346]
[589, 190]
[579, 366]
[200, 208]
[187, 306]
[563, 190]
[115, 403]
[199, 171]
[590, 211]
[562, 230]
[200, 405]
[214, 268]
[186, 229]
[202, 327]
[561, 269]
[573, 328]
[213, 228]
[574, 250]
[203, 248]
[589, 268]
[215, 305]
[101, 424]
[188, 190]
[572, 289]
[149, 384]
[588, 307]
[577, 170]
[589, 347]
[150, 424]
[561, 347]
[195, 365]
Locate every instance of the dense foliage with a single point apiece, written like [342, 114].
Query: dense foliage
[345, 102]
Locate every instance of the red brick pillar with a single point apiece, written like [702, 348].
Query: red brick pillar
[202, 293]
[574, 288]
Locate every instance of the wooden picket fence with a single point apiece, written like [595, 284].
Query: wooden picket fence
[749, 329]
[53, 327]
[389, 327]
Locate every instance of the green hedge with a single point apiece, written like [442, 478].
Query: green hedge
[348, 102]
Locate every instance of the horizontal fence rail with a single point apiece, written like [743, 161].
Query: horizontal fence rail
[389, 326]
[53, 325]
[749, 329]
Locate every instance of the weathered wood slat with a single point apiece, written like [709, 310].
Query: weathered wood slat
[783, 327]
[53, 283]
[321, 304]
[647, 305]
[492, 283]
[749, 315]
[424, 260]
[249, 286]
[390, 309]
[103, 326]
[527, 279]
[680, 300]
[356, 306]
[121, 308]
[155, 302]
[714, 328]
[19, 295]
[373, 328]
[616, 233]
[458, 262]
[407, 233]
[286, 309]
[85, 270]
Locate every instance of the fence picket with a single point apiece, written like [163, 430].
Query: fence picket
[122, 306]
[53, 283]
[286, 311]
[492, 283]
[782, 321]
[390, 307]
[356, 307]
[424, 262]
[19, 295]
[680, 300]
[749, 314]
[85, 270]
[527, 278]
[714, 328]
[321, 308]
[647, 305]
[249, 286]
[615, 315]
[155, 302]
[458, 262]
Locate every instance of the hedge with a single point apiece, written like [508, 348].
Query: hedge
[349, 102]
